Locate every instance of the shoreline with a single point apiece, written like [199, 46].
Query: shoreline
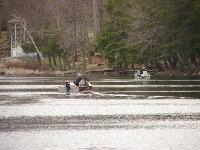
[106, 72]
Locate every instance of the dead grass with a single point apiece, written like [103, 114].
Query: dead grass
[18, 63]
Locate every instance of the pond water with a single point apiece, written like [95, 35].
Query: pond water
[120, 113]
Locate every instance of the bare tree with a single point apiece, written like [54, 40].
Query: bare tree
[68, 17]
[98, 17]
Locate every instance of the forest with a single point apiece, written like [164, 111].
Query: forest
[159, 34]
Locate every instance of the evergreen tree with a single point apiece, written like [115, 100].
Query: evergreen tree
[113, 39]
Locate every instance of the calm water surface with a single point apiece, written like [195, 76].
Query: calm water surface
[120, 114]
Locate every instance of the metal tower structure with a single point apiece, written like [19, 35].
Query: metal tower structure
[17, 35]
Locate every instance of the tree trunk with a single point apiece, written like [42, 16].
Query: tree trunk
[38, 57]
[98, 17]
[38, 52]
[72, 55]
[158, 65]
[95, 19]
[64, 60]
[193, 60]
[165, 62]
[84, 61]
[83, 41]
[49, 58]
[170, 62]
[54, 61]
[60, 63]
[0, 26]
[174, 64]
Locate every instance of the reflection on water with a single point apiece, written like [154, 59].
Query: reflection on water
[120, 113]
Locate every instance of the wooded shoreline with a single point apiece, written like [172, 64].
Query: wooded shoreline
[163, 34]
[106, 72]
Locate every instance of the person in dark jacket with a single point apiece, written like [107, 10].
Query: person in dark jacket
[67, 86]
[76, 82]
